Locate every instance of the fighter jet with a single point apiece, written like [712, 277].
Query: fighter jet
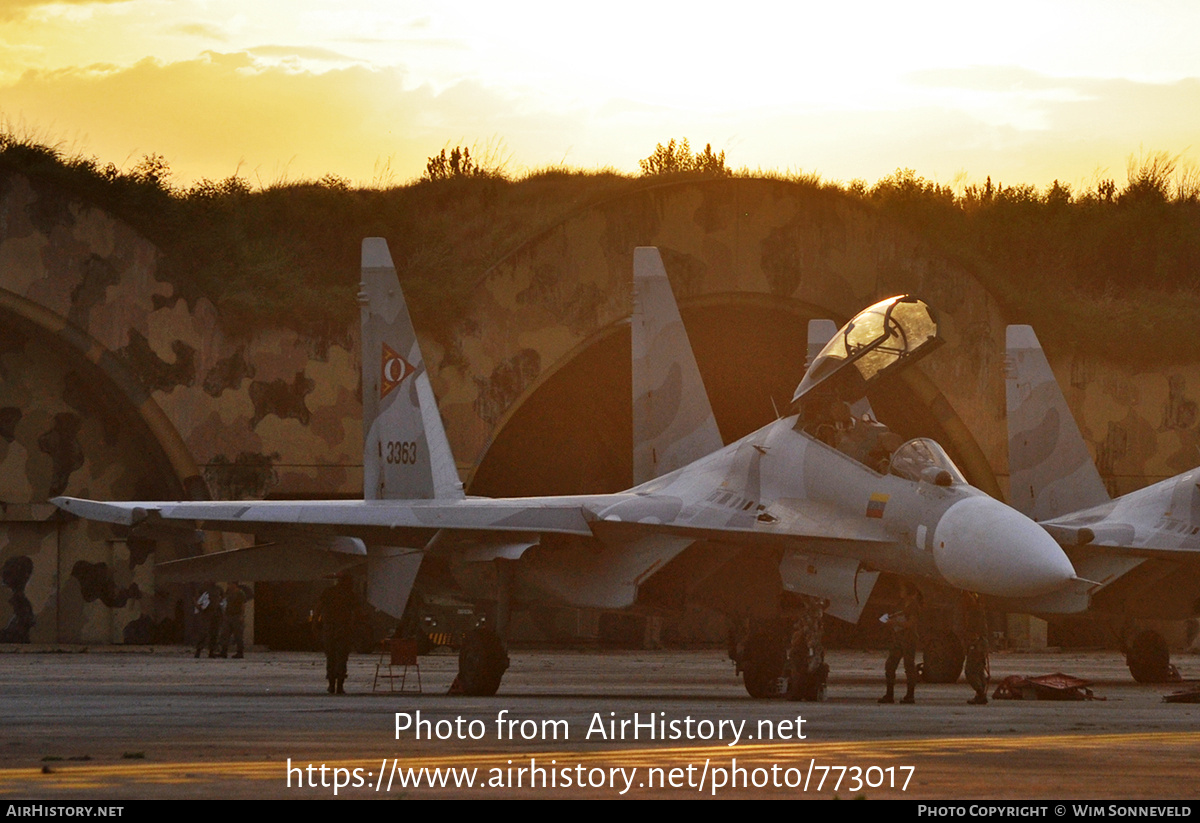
[832, 498]
[1141, 550]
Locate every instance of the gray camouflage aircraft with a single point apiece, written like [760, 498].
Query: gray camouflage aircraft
[831, 498]
[1141, 550]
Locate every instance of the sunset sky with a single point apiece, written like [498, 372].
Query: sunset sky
[1024, 92]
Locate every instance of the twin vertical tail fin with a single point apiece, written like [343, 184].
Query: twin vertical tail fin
[405, 452]
[1051, 472]
[820, 332]
[673, 422]
[406, 455]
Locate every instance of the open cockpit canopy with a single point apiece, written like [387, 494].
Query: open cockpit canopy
[879, 340]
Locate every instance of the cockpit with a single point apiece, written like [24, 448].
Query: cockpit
[925, 459]
[879, 340]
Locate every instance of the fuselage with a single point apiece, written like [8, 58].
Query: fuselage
[779, 487]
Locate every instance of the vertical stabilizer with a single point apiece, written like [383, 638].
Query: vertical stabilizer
[820, 332]
[405, 452]
[1050, 468]
[673, 423]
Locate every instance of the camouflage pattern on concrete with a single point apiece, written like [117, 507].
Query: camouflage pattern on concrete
[721, 241]
[114, 387]
[1140, 424]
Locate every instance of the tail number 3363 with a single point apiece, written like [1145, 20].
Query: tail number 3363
[401, 451]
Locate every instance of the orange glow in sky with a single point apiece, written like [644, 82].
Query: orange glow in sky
[1026, 93]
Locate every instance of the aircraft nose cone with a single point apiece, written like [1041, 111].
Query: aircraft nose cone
[984, 546]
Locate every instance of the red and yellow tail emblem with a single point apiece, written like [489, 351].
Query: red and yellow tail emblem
[877, 504]
[393, 371]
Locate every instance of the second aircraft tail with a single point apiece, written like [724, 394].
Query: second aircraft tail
[673, 422]
[1050, 468]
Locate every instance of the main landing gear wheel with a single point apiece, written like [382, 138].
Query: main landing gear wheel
[482, 662]
[762, 665]
[942, 660]
[1149, 659]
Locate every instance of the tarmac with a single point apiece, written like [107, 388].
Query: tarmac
[133, 722]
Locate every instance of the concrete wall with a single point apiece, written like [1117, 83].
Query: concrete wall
[112, 386]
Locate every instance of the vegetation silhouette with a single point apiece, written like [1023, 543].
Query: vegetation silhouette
[1111, 270]
[678, 158]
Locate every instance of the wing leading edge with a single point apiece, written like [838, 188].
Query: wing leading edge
[583, 516]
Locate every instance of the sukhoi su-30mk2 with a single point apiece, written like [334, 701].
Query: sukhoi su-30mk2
[828, 493]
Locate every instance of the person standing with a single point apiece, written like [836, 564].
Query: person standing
[336, 612]
[234, 626]
[975, 626]
[208, 607]
[806, 666]
[904, 643]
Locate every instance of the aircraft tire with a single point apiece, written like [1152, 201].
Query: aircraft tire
[943, 658]
[482, 662]
[762, 665]
[1149, 659]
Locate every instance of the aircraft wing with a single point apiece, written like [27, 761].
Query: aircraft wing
[632, 537]
[797, 521]
[353, 518]
[1162, 520]
[1142, 549]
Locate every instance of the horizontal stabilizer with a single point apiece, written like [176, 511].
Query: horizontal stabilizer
[607, 578]
[266, 562]
[391, 572]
